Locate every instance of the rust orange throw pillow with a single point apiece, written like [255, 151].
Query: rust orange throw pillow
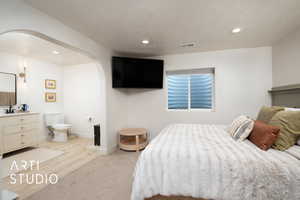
[263, 135]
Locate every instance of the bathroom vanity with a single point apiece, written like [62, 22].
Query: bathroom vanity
[19, 130]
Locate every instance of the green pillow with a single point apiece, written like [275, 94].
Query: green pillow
[289, 124]
[266, 113]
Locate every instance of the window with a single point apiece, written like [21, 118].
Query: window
[190, 89]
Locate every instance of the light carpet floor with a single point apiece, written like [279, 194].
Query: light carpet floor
[104, 178]
[14, 163]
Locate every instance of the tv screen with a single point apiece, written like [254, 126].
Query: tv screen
[137, 73]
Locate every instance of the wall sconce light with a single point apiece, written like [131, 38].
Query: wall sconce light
[23, 75]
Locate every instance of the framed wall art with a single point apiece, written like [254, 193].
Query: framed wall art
[50, 84]
[50, 97]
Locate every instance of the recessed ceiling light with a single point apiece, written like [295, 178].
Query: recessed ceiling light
[55, 52]
[145, 41]
[236, 30]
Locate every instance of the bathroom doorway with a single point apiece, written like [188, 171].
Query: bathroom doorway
[52, 77]
[79, 80]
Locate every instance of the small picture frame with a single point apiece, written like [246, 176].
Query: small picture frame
[50, 97]
[50, 84]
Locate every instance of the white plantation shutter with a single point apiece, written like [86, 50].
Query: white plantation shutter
[178, 92]
[201, 91]
[190, 89]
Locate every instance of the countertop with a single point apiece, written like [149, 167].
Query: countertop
[3, 115]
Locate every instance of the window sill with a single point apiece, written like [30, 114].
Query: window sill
[191, 110]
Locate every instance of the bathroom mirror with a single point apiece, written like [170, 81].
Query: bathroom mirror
[8, 89]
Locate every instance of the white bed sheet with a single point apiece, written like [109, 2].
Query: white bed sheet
[203, 161]
[294, 151]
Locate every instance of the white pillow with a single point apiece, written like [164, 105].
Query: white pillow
[292, 109]
[241, 128]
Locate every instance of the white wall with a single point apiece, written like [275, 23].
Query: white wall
[83, 98]
[242, 76]
[80, 91]
[33, 92]
[286, 60]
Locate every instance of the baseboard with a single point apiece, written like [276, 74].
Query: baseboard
[82, 135]
[111, 149]
[102, 150]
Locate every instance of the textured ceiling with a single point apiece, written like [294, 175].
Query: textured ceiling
[34, 47]
[121, 24]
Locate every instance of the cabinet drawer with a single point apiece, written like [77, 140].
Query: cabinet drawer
[28, 127]
[17, 120]
[28, 138]
[10, 130]
[12, 121]
[29, 119]
[11, 142]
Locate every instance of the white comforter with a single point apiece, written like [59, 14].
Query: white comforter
[203, 161]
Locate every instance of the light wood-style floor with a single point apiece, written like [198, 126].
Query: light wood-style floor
[76, 154]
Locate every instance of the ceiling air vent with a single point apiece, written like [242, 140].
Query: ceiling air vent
[188, 44]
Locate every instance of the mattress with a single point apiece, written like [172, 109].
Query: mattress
[203, 161]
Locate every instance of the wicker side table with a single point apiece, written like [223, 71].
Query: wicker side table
[133, 139]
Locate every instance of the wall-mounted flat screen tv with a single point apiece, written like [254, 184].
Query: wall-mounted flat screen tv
[137, 73]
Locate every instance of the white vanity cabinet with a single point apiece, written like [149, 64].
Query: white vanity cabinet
[18, 131]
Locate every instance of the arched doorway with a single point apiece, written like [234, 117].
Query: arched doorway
[91, 113]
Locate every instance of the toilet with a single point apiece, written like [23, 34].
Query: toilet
[55, 124]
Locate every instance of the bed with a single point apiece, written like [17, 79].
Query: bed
[193, 161]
